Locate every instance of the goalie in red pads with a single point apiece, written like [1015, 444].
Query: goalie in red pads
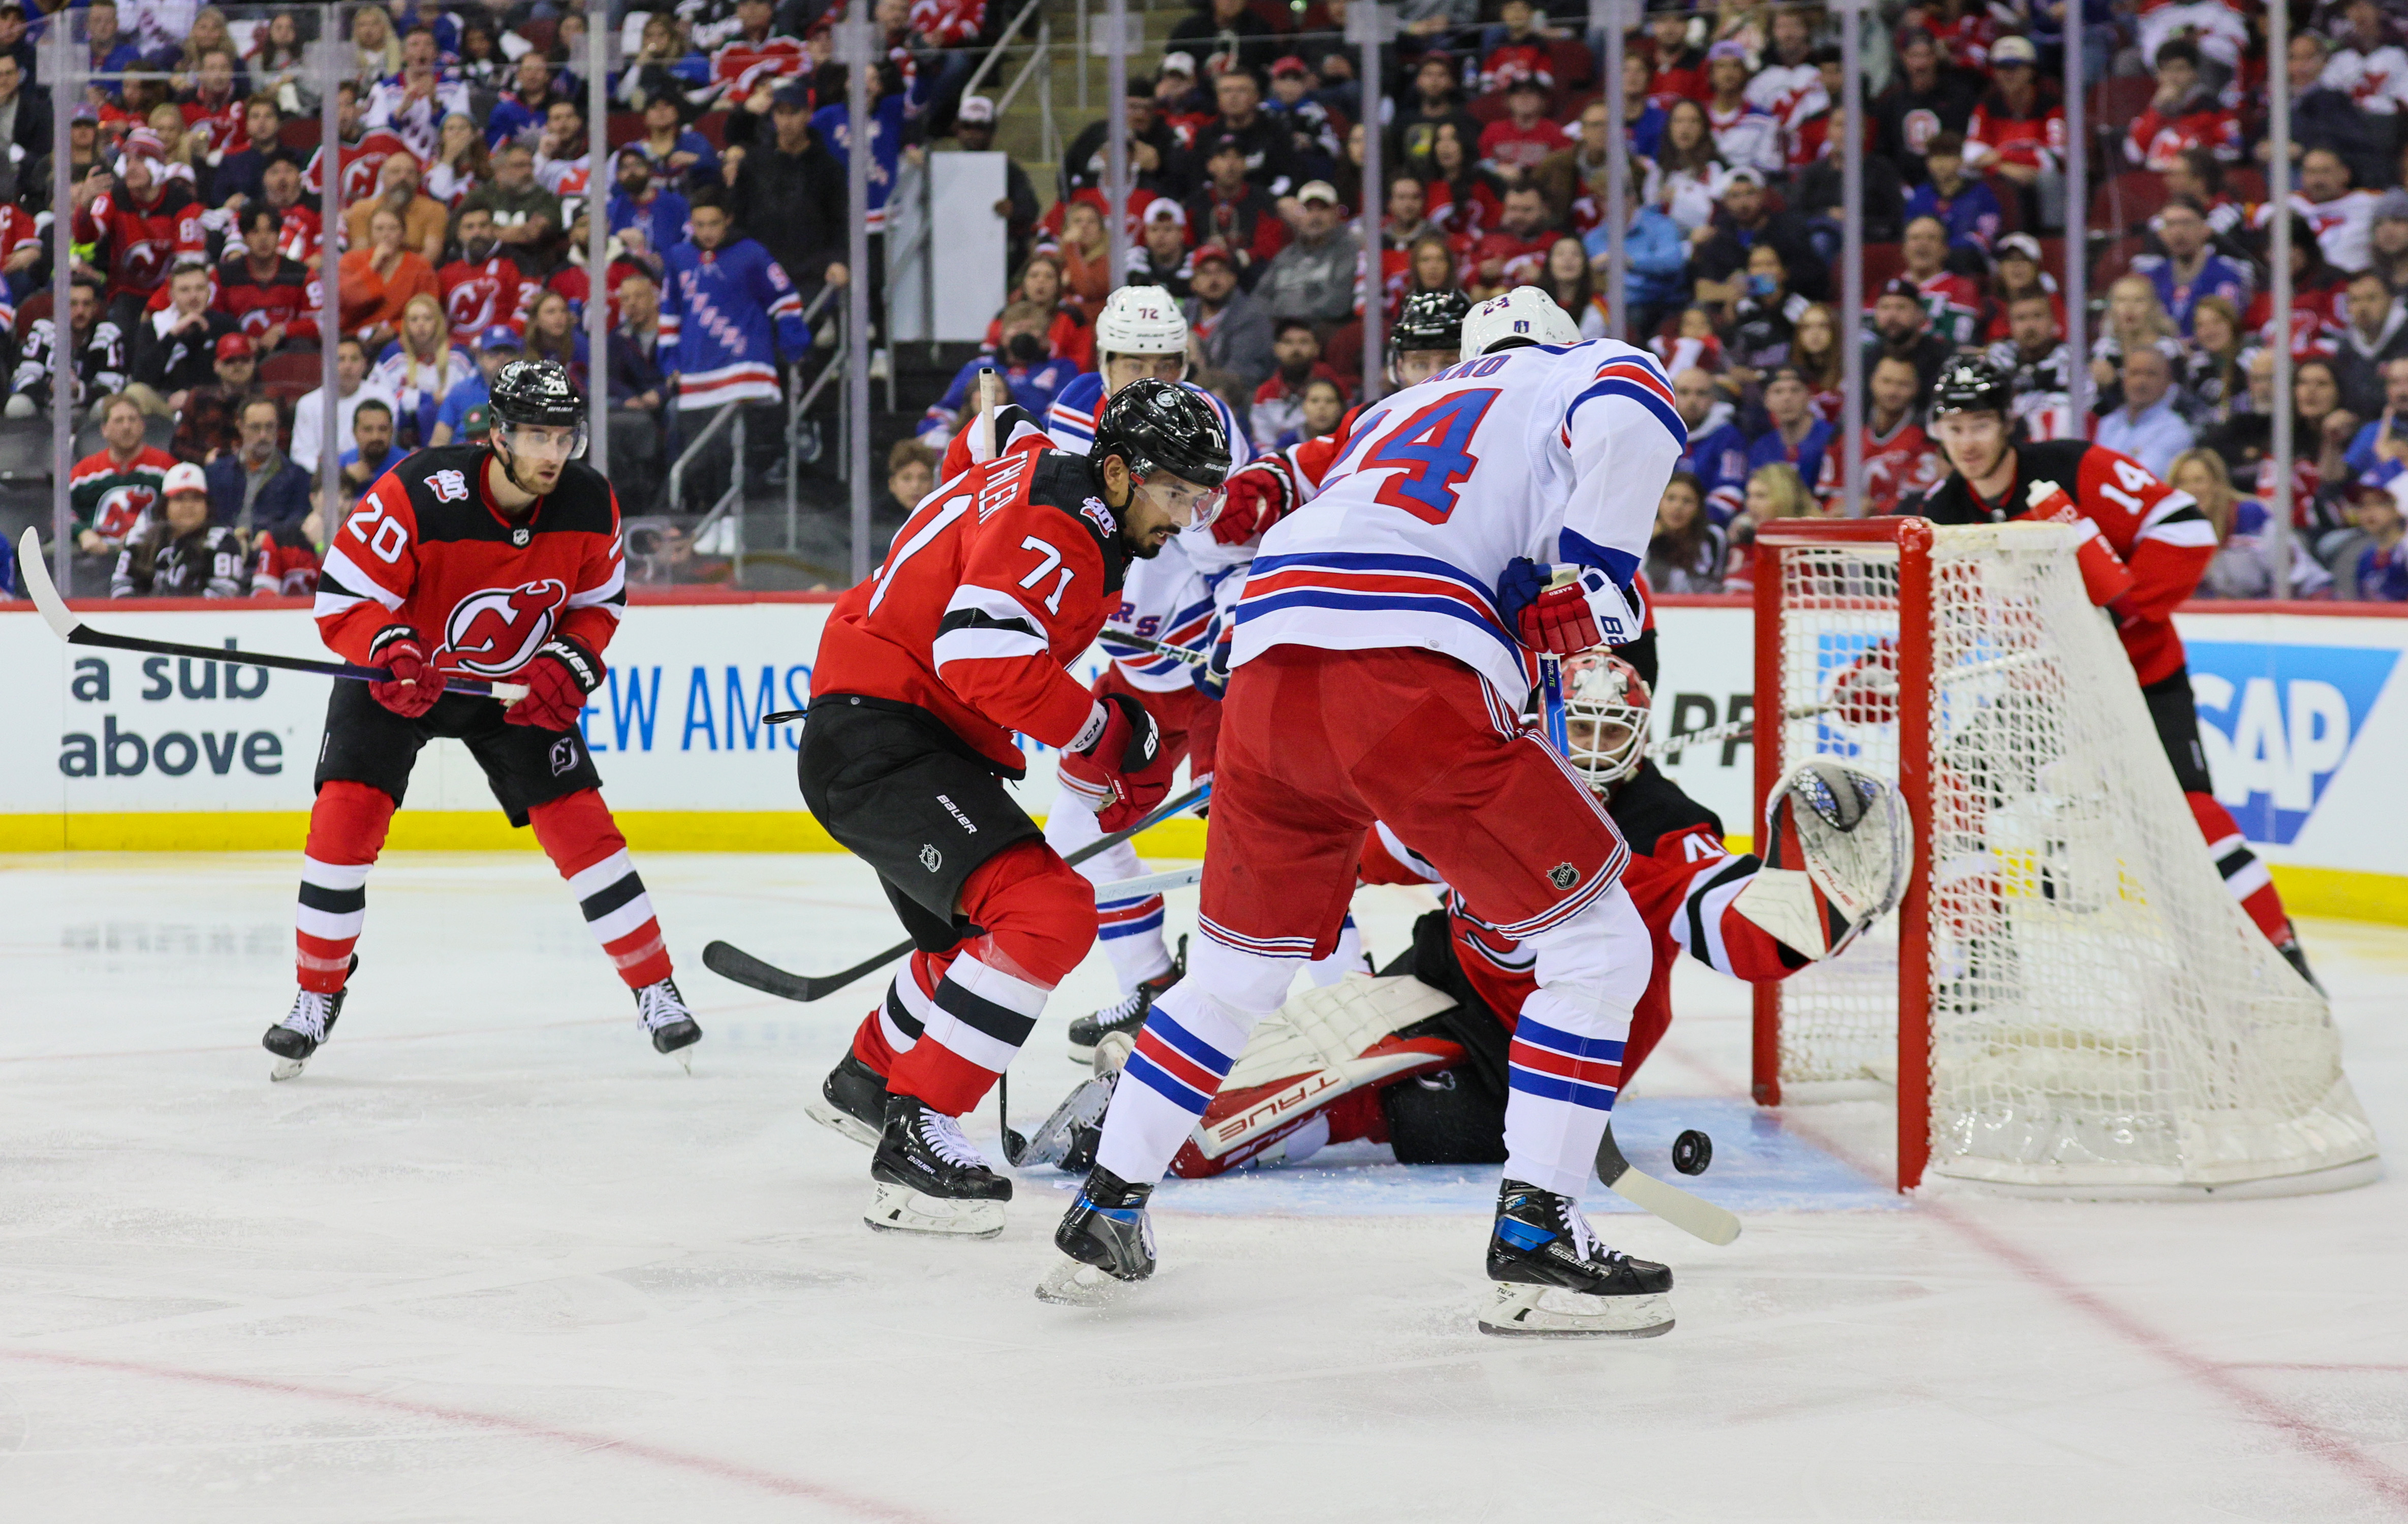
[497, 560]
[2144, 546]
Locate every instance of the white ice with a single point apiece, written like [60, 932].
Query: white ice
[492, 1258]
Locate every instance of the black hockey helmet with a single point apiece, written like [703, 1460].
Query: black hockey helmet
[1431, 320]
[537, 392]
[1970, 384]
[1159, 426]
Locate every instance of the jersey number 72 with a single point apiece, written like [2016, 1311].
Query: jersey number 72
[1431, 455]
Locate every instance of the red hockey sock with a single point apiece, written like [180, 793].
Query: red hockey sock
[894, 1028]
[1040, 917]
[2245, 873]
[584, 842]
[347, 826]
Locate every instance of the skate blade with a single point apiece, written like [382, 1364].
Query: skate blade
[842, 1123]
[899, 1208]
[1071, 1284]
[1051, 1143]
[1550, 1312]
[286, 1069]
[685, 1058]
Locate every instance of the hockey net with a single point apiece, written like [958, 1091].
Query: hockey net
[2067, 1000]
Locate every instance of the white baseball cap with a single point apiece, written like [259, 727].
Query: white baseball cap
[184, 477]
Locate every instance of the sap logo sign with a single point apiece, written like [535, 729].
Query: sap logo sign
[2277, 722]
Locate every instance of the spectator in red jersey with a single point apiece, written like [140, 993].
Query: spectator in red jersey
[1278, 403]
[1465, 200]
[298, 236]
[1511, 146]
[2016, 275]
[1515, 254]
[1520, 54]
[482, 287]
[1680, 71]
[1901, 461]
[141, 226]
[1435, 100]
[2017, 132]
[2184, 114]
[266, 293]
[213, 114]
[754, 59]
[205, 428]
[1234, 214]
[361, 153]
[1177, 101]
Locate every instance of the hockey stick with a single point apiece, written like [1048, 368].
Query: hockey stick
[74, 631]
[1151, 884]
[1160, 648]
[732, 962]
[1691, 1214]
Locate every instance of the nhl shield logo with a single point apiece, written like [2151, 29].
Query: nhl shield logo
[520, 536]
[930, 859]
[1563, 875]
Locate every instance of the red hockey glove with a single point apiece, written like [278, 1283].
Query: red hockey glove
[1117, 763]
[2104, 576]
[559, 677]
[1563, 610]
[1259, 496]
[416, 681]
[1866, 692]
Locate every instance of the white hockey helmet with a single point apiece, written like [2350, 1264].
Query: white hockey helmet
[1525, 314]
[1605, 716]
[1141, 320]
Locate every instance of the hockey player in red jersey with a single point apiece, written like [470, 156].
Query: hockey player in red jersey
[1417, 1058]
[2145, 548]
[497, 560]
[1002, 576]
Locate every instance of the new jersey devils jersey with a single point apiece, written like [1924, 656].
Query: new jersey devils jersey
[2157, 530]
[428, 548]
[996, 583]
[363, 163]
[476, 297]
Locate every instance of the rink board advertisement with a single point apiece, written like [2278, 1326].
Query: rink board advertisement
[2299, 712]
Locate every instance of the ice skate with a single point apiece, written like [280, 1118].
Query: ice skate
[1073, 1128]
[1110, 1241]
[928, 1179]
[1115, 1026]
[1556, 1279]
[308, 1024]
[851, 1102]
[663, 1011]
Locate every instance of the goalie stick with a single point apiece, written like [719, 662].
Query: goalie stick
[731, 962]
[74, 631]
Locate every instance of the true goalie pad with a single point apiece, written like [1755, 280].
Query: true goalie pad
[1322, 1045]
[1848, 832]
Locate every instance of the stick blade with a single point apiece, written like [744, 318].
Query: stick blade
[1692, 1215]
[734, 963]
[36, 574]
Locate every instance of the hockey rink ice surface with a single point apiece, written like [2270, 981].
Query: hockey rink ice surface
[494, 1259]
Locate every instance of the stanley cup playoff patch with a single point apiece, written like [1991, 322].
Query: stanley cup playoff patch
[1563, 875]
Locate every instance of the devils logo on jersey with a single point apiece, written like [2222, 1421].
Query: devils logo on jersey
[494, 632]
[122, 507]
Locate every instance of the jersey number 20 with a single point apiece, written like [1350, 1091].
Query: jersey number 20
[1430, 454]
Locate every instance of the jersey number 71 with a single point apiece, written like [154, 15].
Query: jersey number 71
[1429, 455]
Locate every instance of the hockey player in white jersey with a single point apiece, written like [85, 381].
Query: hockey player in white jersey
[1384, 641]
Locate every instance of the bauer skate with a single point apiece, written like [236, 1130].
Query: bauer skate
[928, 1179]
[1115, 1027]
[1554, 1278]
[663, 1011]
[851, 1102]
[304, 1027]
[1108, 1238]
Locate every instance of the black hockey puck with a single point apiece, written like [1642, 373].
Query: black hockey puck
[1692, 1151]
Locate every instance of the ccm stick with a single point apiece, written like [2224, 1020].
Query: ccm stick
[74, 631]
[732, 962]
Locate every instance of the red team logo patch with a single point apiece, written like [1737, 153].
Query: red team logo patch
[451, 486]
[494, 632]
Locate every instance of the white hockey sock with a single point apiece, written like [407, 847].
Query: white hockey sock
[1564, 1067]
[1192, 1036]
[1129, 930]
[1348, 958]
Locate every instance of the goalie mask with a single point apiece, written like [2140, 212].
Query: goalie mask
[1605, 717]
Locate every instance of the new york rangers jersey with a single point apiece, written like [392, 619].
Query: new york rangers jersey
[1171, 598]
[727, 317]
[1557, 453]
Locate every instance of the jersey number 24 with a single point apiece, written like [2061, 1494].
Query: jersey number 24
[1429, 455]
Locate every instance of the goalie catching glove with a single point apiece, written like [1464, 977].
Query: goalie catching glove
[1116, 762]
[559, 677]
[1564, 610]
[1837, 846]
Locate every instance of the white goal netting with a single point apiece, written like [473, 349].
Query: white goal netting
[2104, 1018]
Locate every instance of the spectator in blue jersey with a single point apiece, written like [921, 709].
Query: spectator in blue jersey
[1967, 208]
[833, 126]
[679, 156]
[1025, 366]
[1655, 255]
[2147, 427]
[729, 317]
[2383, 437]
[2383, 565]
[521, 111]
[1717, 449]
[1795, 435]
[656, 213]
[2190, 271]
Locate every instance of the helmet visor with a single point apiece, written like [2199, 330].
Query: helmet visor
[542, 441]
[1187, 504]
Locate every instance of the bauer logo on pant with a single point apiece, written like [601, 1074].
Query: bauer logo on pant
[930, 859]
[1563, 875]
[493, 632]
